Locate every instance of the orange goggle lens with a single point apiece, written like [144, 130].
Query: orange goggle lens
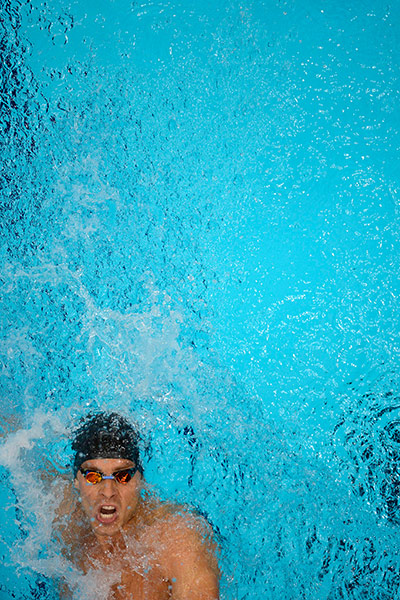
[123, 476]
[93, 477]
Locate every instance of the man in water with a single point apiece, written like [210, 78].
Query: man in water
[144, 549]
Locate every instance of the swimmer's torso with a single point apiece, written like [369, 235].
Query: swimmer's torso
[163, 552]
[135, 567]
[132, 563]
[137, 586]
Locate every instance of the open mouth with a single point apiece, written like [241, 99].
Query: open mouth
[107, 514]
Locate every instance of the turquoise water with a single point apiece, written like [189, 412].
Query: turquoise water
[200, 228]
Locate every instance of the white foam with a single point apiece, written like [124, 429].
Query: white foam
[24, 439]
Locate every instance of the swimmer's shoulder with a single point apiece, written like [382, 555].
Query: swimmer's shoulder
[163, 515]
[181, 532]
[184, 548]
[69, 525]
[67, 501]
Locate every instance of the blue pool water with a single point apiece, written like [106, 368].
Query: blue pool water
[200, 228]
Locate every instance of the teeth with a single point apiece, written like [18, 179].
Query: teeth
[107, 510]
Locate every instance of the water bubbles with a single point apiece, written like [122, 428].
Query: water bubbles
[172, 125]
[166, 255]
[392, 430]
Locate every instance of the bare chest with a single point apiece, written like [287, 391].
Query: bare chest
[134, 576]
[134, 585]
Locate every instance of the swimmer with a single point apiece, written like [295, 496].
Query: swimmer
[109, 523]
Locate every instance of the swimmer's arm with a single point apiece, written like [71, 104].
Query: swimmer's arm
[18, 439]
[64, 593]
[9, 424]
[191, 561]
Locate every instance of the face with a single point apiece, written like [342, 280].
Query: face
[109, 505]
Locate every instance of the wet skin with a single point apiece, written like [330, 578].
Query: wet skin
[148, 550]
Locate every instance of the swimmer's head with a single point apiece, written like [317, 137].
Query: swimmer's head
[105, 435]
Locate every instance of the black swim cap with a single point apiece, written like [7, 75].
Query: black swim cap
[105, 435]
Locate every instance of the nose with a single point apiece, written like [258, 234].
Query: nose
[108, 488]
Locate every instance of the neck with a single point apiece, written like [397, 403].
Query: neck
[111, 543]
[117, 541]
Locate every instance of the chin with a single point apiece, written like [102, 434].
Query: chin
[101, 530]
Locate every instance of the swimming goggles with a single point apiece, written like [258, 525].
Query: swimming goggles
[122, 476]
